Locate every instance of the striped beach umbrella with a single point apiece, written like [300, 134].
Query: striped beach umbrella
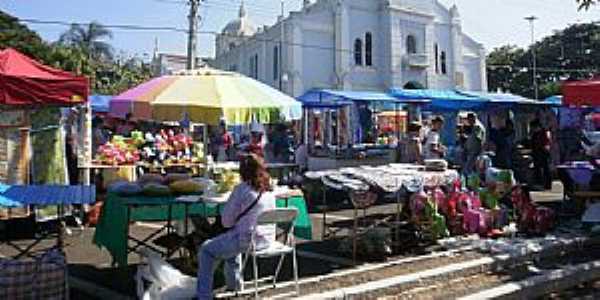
[207, 96]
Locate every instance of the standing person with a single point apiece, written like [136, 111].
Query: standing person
[474, 143]
[541, 140]
[414, 149]
[256, 144]
[224, 143]
[99, 134]
[247, 201]
[433, 145]
[126, 126]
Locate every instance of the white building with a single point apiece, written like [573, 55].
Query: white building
[166, 64]
[356, 45]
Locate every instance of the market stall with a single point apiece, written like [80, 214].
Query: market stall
[341, 128]
[33, 173]
[206, 99]
[202, 99]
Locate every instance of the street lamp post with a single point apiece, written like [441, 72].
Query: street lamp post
[280, 54]
[532, 20]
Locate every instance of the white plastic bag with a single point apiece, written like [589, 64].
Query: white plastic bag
[166, 282]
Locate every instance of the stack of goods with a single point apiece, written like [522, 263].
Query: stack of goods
[155, 185]
[426, 215]
[531, 218]
[478, 212]
[439, 165]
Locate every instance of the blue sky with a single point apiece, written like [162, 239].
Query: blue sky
[492, 22]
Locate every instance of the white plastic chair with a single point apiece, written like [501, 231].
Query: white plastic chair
[279, 216]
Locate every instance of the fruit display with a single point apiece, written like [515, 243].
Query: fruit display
[118, 151]
[165, 147]
[229, 179]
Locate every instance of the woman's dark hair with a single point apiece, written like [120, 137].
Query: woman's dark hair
[254, 172]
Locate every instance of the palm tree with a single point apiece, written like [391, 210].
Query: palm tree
[90, 39]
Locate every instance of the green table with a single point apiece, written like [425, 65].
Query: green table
[112, 231]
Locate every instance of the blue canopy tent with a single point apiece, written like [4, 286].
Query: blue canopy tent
[441, 100]
[100, 103]
[335, 99]
[446, 102]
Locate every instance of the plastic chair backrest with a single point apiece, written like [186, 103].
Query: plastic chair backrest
[277, 216]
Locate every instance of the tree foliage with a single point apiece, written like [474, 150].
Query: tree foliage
[83, 51]
[573, 53]
[586, 4]
[91, 38]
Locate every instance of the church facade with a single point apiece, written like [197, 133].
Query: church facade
[356, 45]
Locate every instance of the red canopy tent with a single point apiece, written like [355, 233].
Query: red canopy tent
[24, 81]
[581, 93]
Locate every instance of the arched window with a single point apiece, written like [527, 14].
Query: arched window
[368, 49]
[358, 52]
[231, 45]
[411, 44]
[443, 59]
[436, 53]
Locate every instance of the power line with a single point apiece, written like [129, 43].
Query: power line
[112, 26]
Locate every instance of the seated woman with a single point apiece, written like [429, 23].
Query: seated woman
[247, 201]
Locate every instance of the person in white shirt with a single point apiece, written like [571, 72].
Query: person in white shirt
[433, 148]
[247, 201]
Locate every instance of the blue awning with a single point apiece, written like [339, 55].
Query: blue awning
[23, 195]
[442, 100]
[556, 100]
[100, 103]
[337, 98]
[506, 100]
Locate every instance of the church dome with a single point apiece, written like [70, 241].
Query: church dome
[241, 26]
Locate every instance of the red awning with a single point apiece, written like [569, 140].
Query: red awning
[24, 81]
[581, 93]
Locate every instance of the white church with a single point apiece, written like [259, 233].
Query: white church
[369, 45]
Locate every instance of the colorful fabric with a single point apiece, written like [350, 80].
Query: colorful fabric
[43, 278]
[207, 96]
[111, 229]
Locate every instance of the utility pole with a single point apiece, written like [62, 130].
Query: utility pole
[280, 54]
[192, 36]
[532, 20]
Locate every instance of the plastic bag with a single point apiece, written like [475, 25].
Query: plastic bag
[166, 282]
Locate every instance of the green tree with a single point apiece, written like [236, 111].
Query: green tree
[91, 38]
[571, 53]
[15, 35]
[82, 51]
[585, 4]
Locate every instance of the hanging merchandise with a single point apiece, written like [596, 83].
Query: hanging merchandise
[49, 160]
[343, 129]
